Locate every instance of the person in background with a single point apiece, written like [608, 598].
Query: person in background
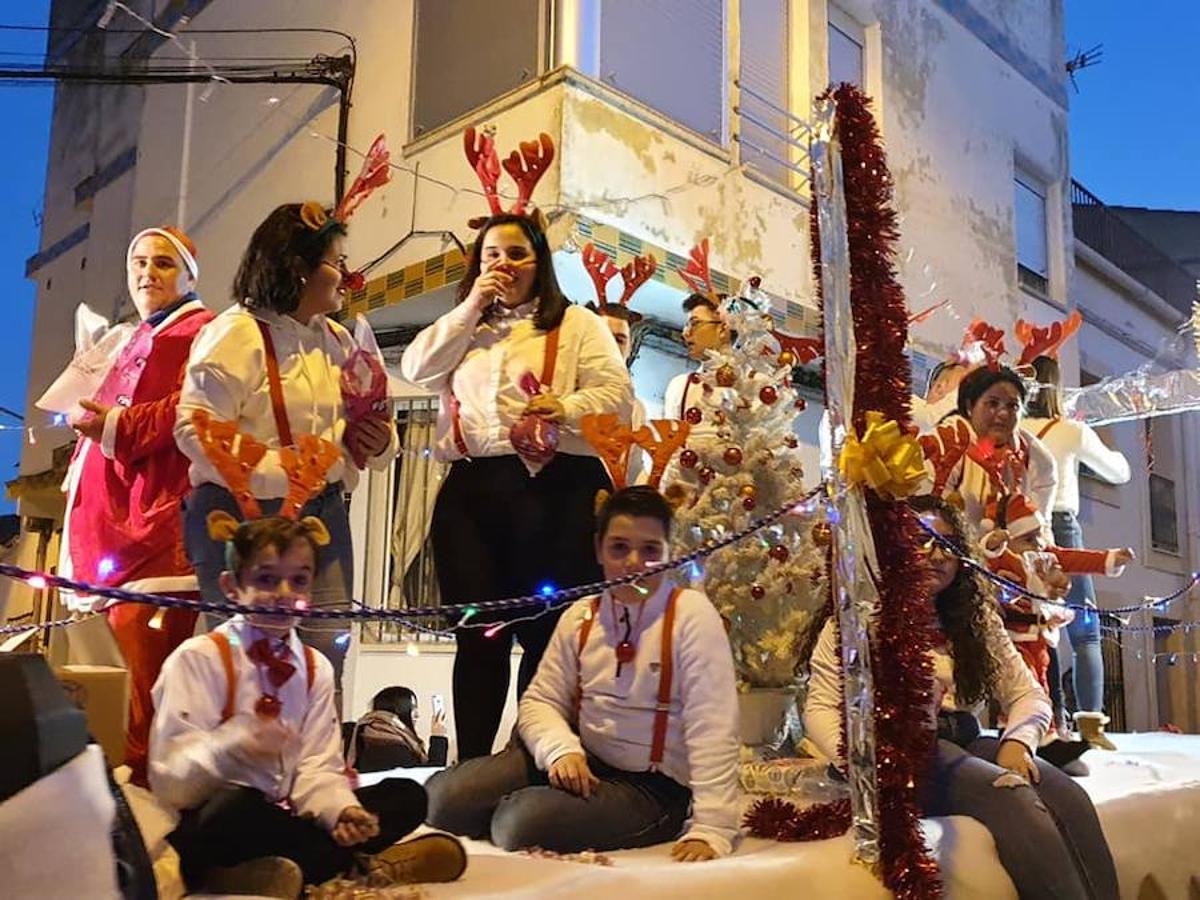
[1047, 834]
[386, 737]
[127, 477]
[630, 726]
[505, 525]
[1072, 443]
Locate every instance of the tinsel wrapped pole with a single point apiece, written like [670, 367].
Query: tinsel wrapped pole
[852, 583]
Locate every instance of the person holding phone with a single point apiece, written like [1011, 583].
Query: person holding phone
[386, 737]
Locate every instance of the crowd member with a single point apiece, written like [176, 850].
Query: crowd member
[386, 737]
[1046, 831]
[270, 368]
[1073, 443]
[629, 726]
[506, 524]
[127, 477]
[245, 720]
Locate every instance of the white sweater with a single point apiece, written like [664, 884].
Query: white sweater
[617, 714]
[1072, 443]
[1019, 695]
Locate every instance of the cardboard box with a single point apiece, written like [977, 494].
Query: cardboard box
[102, 692]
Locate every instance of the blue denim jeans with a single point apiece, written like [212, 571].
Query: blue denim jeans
[1084, 632]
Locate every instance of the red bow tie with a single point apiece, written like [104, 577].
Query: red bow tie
[278, 670]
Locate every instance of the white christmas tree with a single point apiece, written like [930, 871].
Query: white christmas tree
[767, 587]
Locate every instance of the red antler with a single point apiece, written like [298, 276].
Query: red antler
[661, 442]
[696, 273]
[233, 455]
[944, 450]
[601, 270]
[982, 338]
[481, 154]
[375, 173]
[804, 349]
[306, 466]
[528, 168]
[1045, 341]
[635, 274]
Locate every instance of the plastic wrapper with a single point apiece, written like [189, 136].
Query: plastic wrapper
[364, 387]
[97, 345]
[1140, 394]
[534, 438]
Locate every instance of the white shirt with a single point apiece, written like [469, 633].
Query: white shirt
[193, 753]
[1072, 443]
[227, 377]
[480, 362]
[679, 396]
[1020, 697]
[617, 713]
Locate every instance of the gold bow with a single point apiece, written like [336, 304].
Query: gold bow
[886, 459]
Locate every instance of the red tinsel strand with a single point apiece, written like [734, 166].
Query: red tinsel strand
[904, 737]
[780, 820]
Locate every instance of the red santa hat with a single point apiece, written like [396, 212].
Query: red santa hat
[181, 242]
[1014, 513]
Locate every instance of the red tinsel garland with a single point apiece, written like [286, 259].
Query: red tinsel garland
[904, 735]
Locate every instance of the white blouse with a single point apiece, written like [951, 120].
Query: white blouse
[479, 362]
[1072, 443]
[227, 377]
[1019, 695]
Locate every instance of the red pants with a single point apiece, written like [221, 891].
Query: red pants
[145, 648]
[1037, 656]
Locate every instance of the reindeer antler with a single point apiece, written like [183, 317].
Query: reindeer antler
[233, 455]
[636, 273]
[306, 466]
[376, 171]
[528, 168]
[944, 450]
[481, 154]
[985, 339]
[612, 440]
[803, 348]
[667, 436]
[1046, 341]
[696, 273]
[601, 270]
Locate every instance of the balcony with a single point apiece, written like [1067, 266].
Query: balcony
[1110, 236]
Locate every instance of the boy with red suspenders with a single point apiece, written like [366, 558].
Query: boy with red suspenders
[246, 742]
[629, 727]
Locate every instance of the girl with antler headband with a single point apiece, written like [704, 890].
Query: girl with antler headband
[1072, 443]
[262, 416]
[513, 360]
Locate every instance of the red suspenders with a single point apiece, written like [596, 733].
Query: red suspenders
[549, 360]
[278, 407]
[666, 674]
[223, 647]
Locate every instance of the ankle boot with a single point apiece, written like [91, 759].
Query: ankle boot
[1091, 729]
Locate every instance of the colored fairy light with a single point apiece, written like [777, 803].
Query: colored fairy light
[106, 567]
[37, 582]
[59, 419]
[468, 614]
[300, 604]
[494, 630]
[697, 571]
[547, 589]
[412, 649]
[342, 640]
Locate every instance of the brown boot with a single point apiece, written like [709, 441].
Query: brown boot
[269, 876]
[1091, 729]
[423, 860]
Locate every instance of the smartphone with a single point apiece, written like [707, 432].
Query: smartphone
[439, 705]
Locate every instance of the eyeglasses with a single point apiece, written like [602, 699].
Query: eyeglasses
[693, 324]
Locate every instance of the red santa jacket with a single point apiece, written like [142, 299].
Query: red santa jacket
[124, 523]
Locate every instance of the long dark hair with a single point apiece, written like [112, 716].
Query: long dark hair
[282, 251]
[1045, 404]
[397, 700]
[971, 388]
[551, 302]
[963, 609]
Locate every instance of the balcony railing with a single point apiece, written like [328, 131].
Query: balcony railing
[1113, 238]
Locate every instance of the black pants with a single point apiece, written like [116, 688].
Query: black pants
[239, 824]
[498, 533]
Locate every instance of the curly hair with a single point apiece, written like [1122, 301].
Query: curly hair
[963, 609]
[281, 253]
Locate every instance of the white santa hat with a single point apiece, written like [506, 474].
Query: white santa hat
[1020, 516]
[180, 241]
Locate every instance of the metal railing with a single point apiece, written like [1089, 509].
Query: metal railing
[772, 139]
[1102, 229]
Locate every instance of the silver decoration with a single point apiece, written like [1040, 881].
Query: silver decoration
[854, 564]
[1135, 395]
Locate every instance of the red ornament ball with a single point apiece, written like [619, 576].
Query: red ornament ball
[757, 591]
[693, 415]
[694, 378]
[801, 404]
[732, 456]
[748, 503]
[780, 553]
[790, 442]
[726, 376]
[706, 474]
[688, 459]
[768, 395]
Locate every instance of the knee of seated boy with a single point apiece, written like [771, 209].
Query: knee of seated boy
[453, 805]
[521, 822]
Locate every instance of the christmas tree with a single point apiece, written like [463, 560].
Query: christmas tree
[768, 587]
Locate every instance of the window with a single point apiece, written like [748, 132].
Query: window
[1164, 525]
[670, 55]
[451, 74]
[1033, 269]
[764, 127]
[846, 49]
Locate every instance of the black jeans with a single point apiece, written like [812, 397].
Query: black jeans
[497, 532]
[238, 824]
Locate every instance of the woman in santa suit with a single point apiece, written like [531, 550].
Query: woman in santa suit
[127, 477]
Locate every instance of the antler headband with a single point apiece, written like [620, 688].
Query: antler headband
[696, 273]
[601, 270]
[1037, 341]
[526, 168]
